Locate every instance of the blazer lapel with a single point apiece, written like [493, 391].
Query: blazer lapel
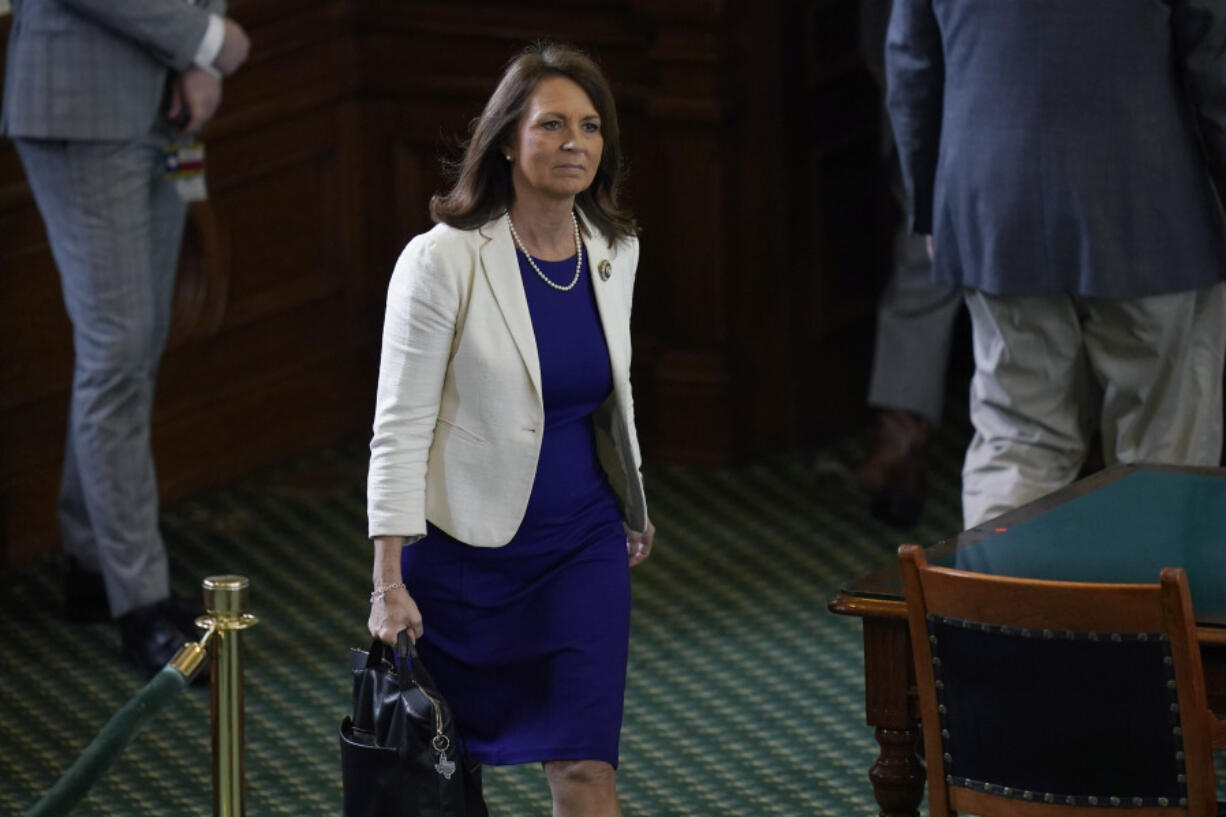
[608, 300]
[501, 267]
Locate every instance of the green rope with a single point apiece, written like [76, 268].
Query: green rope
[111, 741]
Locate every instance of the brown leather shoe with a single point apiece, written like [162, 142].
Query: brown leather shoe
[893, 474]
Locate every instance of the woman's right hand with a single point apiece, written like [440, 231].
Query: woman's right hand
[394, 612]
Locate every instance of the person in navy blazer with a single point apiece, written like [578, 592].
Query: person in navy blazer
[505, 498]
[1068, 161]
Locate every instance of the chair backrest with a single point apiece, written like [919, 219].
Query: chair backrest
[1043, 698]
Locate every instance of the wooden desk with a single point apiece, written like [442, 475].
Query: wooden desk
[1123, 524]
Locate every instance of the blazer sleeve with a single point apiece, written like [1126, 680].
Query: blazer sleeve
[170, 30]
[423, 301]
[634, 436]
[1199, 33]
[915, 84]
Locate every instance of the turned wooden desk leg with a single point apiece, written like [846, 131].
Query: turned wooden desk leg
[898, 774]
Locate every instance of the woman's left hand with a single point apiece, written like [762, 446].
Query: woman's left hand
[638, 544]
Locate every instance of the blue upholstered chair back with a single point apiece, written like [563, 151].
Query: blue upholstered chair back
[1059, 699]
[1075, 718]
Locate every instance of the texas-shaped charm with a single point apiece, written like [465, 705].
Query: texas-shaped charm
[444, 766]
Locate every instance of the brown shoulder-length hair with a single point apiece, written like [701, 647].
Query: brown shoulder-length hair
[482, 189]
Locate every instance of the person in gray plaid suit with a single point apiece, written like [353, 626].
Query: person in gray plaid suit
[95, 91]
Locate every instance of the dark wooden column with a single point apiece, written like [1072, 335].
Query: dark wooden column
[689, 211]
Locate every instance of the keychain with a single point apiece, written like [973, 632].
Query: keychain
[444, 766]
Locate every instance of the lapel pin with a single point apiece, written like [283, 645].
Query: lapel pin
[605, 269]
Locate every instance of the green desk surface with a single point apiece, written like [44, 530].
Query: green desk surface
[1122, 525]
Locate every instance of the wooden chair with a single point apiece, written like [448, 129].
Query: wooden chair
[1059, 699]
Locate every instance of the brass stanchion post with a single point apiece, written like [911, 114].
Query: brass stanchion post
[225, 602]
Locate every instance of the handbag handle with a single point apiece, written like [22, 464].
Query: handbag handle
[380, 653]
[411, 667]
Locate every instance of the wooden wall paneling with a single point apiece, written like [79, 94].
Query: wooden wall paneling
[33, 361]
[35, 368]
[762, 271]
[840, 214]
[684, 266]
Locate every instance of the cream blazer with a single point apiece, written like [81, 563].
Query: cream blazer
[460, 415]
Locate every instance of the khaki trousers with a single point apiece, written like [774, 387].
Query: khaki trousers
[1047, 366]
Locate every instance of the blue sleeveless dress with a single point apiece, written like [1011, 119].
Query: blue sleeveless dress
[528, 642]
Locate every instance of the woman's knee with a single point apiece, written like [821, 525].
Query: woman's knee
[580, 773]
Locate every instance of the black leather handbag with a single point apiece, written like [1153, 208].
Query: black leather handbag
[400, 756]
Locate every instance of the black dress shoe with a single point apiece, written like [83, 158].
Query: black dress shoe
[149, 638]
[85, 599]
[183, 614]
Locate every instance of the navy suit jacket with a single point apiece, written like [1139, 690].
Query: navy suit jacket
[1057, 146]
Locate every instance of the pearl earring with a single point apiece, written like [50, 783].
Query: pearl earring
[509, 157]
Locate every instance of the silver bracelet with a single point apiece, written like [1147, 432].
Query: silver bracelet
[379, 594]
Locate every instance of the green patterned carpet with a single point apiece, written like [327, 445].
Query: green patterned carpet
[745, 696]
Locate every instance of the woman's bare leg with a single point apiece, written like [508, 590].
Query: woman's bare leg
[583, 788]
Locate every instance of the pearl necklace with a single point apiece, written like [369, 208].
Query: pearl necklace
[578, 250]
